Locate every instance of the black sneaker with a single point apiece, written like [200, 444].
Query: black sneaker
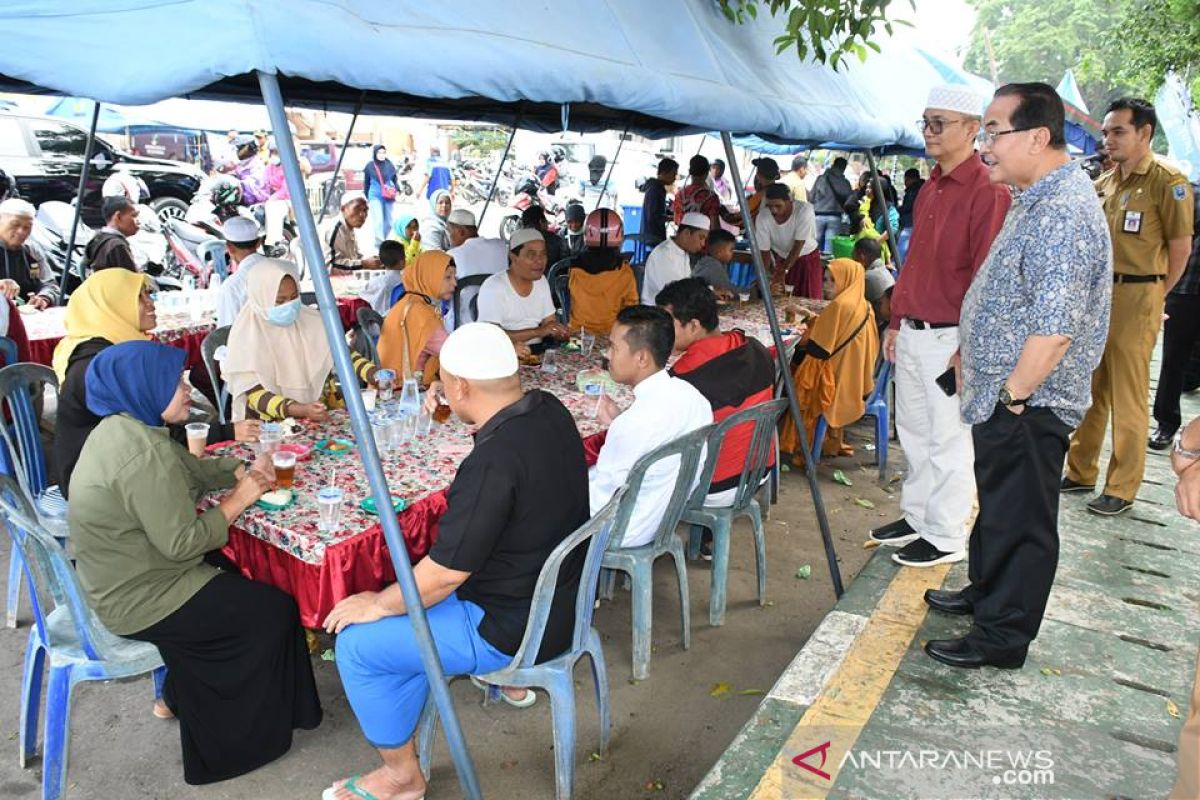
[1160, 439]
[1109, 506]
[921, 553]
[895, 534]
[1068, 486]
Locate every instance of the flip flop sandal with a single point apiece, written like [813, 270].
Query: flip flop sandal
[528, 700]
[353, 788]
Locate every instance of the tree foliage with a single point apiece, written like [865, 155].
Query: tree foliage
[1161, 35]
[825, 30]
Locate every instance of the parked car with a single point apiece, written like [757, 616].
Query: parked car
[44, 157]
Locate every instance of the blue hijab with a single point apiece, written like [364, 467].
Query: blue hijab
[135, 378]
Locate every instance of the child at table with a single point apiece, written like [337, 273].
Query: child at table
[378, 291]
[713, 267]
[279, 360]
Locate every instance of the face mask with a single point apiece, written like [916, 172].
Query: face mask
[275, 160]
[284, 315]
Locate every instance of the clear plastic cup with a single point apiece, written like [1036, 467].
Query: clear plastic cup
[385, 380]
[329, 508]
[587, 341]
[380, 426]
[285, 468]
[197, 437]
[368, 396]
[269, 437]
[548, 364]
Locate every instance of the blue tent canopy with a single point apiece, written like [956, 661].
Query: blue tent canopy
[661, 68]
[112, 120]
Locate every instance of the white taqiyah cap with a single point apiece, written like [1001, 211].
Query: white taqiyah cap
[479, 351]
[694, 219]
[461, 216]
[240, 229]
[18, 207]
[524, 236]
[352, 196]
[962, 99]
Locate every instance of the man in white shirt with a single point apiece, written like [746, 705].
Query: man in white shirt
[473, 255]
[519, 299]
[672, 260]
[664, 408]
[787, 236]
[242, 242]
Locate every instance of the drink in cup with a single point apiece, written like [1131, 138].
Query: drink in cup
[368, 396]
[197, 437]
[586, 341]
[285, 468]
[269, 437]
[442, 412]
[329, 508]
[385, 381]
[548, 364]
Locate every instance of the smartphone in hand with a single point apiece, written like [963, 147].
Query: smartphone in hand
[947, 383]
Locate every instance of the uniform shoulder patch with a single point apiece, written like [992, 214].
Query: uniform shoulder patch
[1180, 191]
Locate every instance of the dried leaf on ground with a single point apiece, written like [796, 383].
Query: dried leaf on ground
[1172, 709]
[719, 689]
[750, 692]
[869, 543]
[840, 477]
[804, 572]
[863, 502]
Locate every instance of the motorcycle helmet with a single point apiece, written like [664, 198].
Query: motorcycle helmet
[225, 192]
[246, 146]
[603, 229]
[8, 187]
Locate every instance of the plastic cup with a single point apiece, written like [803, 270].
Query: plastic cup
[744, 297]
[269, 437]
[442, 413]
[368, 396]
[285, 468]
[548, 364]
[197, 437]
[329, 508]
[385, 380]
[587, 341]
[379, 430]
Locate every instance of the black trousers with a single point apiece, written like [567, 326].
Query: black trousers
[1014, 545]
[1180, 334]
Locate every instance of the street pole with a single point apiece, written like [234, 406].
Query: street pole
[83, 176]
[499, 170]
[893, 241]
[337, 171]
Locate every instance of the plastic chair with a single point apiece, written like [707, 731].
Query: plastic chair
[556, 676]
[764, 417]
[67, 633]
[397, 293]
[8, 349]
[638, 562]
[213, 252]
[470, 281]
[213, 341]
[27, 462]
[558, 276]
[370, 322]
[877, 407]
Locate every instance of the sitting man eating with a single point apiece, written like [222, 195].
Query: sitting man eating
[520, 492]
[518, 299]
[110, 246]
[338, 241]
[664, 408]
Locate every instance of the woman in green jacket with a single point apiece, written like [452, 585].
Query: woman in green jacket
[238, 673]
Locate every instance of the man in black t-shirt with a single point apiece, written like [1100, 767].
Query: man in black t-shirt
[654, 203]
[520, 492]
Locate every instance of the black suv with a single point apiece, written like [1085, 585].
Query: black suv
[45, 158]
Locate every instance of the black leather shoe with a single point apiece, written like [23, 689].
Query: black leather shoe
[1109, 506]
[894, 533]
[963, 653]
[1160, 439]
[1069, 485]
[948, 602]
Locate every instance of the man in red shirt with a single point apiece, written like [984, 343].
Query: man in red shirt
[957, 215]
[731, 370]
[697, 196]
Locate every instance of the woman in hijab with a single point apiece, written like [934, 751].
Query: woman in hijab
[279, 360]
[433, 229]
[407, 231]
[413, 331]
[239, 677]
[380, 185]
[837, 361]
[600, 281]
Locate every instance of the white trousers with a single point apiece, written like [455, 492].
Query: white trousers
[939, 490]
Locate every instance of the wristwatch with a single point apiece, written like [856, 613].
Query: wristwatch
[1178, 449]
[1006, 398]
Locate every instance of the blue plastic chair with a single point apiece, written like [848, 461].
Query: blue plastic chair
[877, 407]
[631, 223]
[397, 293]
[67, 633]
[556, 676]
[638, 562]
[213, 341]
[8, 349]
[213, 252]
[25, 460]
[764, 418]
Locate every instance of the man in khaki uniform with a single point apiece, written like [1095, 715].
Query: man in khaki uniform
[1148, 206]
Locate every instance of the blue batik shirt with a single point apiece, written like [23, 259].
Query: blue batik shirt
[1049, 273]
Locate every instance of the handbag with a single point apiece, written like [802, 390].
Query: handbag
[389, 191]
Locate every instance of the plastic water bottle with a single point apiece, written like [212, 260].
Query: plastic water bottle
[410, 407]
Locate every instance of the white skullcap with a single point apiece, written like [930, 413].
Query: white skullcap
[461, 216]
[962, 99]
[694, 219]
[524, 236]
[240, 229]
[479, 351]
[18, 207]
[352, 196]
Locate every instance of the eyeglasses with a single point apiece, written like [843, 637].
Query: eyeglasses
[936, 125]
[988, 138]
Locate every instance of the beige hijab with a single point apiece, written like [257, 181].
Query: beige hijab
[293, 361]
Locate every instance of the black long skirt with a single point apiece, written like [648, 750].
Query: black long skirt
[239, 678]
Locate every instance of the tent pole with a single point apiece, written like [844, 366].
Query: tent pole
[327, 303]
[341, 155]
[789, 388]
[893, 242]
[83, 176]
[611, 167]
[500, 169]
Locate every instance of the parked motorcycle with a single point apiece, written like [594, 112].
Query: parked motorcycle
[528, 191]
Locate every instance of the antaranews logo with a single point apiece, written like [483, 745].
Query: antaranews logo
[801, 760]
[1007, 766]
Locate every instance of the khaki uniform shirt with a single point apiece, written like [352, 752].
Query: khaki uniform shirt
[1144, 212]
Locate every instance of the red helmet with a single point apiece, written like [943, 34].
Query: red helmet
[603, 229]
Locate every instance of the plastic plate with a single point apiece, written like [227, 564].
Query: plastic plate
[336, 447]
[368, 504]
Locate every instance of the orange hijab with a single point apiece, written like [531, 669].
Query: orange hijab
[415, 317]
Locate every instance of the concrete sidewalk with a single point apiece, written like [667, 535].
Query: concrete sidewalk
[1095, 712]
